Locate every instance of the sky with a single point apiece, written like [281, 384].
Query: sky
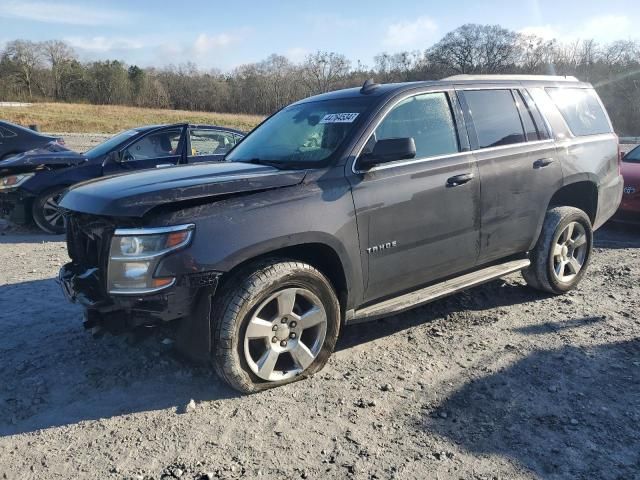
[223, 35]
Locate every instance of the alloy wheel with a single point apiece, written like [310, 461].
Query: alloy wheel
[51, 211]
[570, 252]
[285, 334]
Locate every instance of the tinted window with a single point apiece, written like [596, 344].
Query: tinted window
[581, 110]
[155, 145]
[527, 119]
[108, 145]
[210, 142]
[427, 119]
[495, 117]
[541, 126]
[633, 156]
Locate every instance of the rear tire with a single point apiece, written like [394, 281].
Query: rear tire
[274, 322]
[562, 253]
[45, 213]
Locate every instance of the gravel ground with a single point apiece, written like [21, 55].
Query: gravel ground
[497, 382]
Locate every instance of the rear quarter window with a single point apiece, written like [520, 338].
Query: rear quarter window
[581, 110]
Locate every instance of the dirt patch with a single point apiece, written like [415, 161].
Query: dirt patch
[497, 382]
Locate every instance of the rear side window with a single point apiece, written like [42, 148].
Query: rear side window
[581, 110]
[427, 119]
[495, 117]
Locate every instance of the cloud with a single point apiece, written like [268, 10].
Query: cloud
[106, 44]
[418, 33]
[67, 13]
[296, 54]
[205, 43]
[603, 28]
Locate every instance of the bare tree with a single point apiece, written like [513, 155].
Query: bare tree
[26, 58]
[59, 57]
[323, 70]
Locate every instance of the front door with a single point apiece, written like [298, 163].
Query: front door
[157, 149]
[209, 145]
[417, 219]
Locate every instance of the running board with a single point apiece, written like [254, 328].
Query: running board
[434, 292]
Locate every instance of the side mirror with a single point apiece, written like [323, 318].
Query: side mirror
[388, 150]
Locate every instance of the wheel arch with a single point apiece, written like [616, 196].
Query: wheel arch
[319, 255]
[581, 194]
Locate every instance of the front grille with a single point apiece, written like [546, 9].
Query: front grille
[88, 243]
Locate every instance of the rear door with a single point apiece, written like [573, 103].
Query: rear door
[157, 149]
[518, 167]
[416, 222]
[209, 144]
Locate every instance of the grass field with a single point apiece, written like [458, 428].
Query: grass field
[81, 118]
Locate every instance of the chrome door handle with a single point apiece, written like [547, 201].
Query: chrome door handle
[542, 162]
[459, 179]
[165, 165]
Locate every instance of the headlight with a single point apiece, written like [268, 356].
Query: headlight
[14, 181]
[135, 254]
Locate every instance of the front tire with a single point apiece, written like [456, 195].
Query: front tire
[46, 213]
[274, 322]
[562, 253]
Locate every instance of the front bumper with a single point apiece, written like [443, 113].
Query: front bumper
[14, 204]
[120, 313]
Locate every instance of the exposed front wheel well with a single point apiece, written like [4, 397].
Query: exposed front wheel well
[318, 255]
[582, 195]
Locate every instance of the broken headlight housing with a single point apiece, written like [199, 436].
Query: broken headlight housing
[14, 181]
[135, 254]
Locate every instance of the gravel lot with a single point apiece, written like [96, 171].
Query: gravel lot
[497, 382]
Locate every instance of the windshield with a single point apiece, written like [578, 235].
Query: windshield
[633, 156]
[108, 145]
[303, 135]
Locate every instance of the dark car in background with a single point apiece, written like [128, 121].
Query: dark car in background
[31, 183]
[15, 139]
[629, 211]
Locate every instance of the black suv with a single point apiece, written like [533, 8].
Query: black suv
[345, 207]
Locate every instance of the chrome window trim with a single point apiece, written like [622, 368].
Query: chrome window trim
[405, 162]
[402, 163]
[511, 145]
[120, 232]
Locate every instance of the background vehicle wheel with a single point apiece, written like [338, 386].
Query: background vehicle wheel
[274, 323]
[562, 253]
[46, 213]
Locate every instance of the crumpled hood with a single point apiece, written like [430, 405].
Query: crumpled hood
[51, 156]
[135, 194]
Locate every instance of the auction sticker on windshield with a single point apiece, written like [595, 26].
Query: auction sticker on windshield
[339, 118]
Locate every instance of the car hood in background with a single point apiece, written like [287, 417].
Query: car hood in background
[135, 194]
[48, 157]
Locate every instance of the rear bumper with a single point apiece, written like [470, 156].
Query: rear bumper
[609, 197]
[120, 313]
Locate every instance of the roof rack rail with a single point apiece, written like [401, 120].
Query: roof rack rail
[554, 78]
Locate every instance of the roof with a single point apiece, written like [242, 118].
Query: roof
[389, 89]
[146, 128]
[547, 78]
